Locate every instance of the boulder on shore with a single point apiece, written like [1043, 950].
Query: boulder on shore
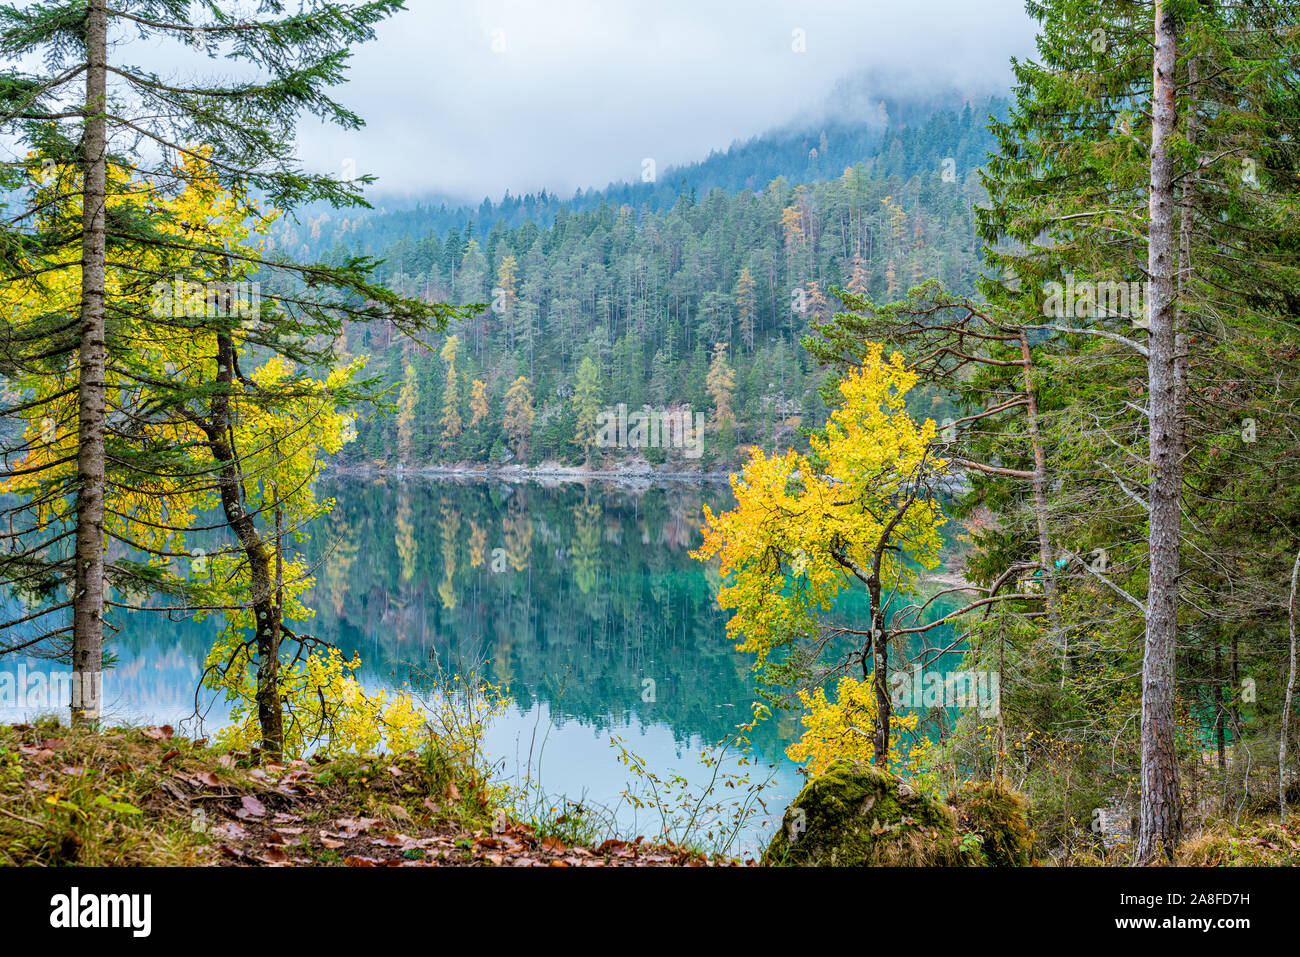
[856, 815]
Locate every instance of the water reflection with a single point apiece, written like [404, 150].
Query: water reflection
[582, 600]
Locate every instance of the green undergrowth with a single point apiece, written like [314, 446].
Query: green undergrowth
[142, 796]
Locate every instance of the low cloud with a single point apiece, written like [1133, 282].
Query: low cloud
[470, 99]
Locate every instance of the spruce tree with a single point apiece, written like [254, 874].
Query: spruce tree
[89, 115]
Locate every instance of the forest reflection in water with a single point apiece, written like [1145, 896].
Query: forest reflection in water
[580, 600]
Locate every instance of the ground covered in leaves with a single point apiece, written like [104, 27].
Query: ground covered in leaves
[147, 797]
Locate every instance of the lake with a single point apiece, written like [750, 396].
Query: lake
[581, 600]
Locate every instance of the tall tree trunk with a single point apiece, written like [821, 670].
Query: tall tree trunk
[999, 765]
[1290, 691]
[1040, 499]
[1234, 708]
[1160, 814]
[266, 610]
[1186, 223]
[1219, 713]
[880, 640]
[88, 594]
[879, 679]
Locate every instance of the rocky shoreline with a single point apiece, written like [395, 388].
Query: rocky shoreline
[630, 473]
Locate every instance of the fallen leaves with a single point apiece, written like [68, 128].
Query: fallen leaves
[230, 831]
[354, 827]
[250, 807]
[303, 813]
[39, 755]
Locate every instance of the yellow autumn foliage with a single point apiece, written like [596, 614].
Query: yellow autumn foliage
[284, 424]
[841, 728]
[327, 707]
[806, 527]
[795, 513]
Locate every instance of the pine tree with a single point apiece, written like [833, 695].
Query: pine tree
[586, 406]
[1115, 164]
[721, 383]
[745, 307]
[407, 401]
[450, 420]
[519, 414]
[478, 403]
[244, 133]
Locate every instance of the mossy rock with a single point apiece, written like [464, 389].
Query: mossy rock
[856, 815]
[999, 817]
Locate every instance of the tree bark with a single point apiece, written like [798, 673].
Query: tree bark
[1160, 815]
[879, 678]
[1186, 223]
[1234, 712]
[266, 611]
[88, 579]
[1290, 691]
[880, 641]
[1040, 500]
[1219, 707]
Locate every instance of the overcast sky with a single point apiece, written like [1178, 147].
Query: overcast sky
[575, 93]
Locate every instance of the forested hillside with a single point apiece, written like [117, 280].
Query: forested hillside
[904, 133]
[648, 294]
